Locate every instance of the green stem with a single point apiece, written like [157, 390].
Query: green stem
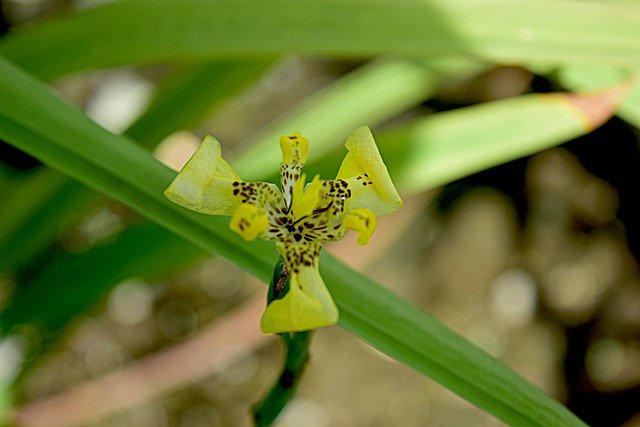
[266, 411]
[297, 353]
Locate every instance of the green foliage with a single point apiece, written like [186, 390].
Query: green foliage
[145, 31]
[222, 48]
[114, 166]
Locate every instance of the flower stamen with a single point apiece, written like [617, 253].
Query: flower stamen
[305, 199]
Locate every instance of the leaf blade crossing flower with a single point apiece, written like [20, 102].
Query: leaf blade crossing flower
[299, 217]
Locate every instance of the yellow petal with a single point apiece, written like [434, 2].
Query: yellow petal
[249, 221]
[368, 178]
[308, 305]
[205, 183]
[305, 200]
[295, 148]
[363, 221]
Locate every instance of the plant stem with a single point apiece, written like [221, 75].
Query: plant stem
[297, 353]
[266, 411]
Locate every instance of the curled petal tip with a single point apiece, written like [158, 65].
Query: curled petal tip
[367, 175]
[363, 221]
[205, 182]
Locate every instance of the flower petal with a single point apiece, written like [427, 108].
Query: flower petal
[295, 149]
[363, 221]
[249, 221]
[205, 183]
[367, 175]
[308, 305]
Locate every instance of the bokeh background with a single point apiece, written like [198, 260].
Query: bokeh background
[534, 260]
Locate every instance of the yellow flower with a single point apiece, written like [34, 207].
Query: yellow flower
[298, 218]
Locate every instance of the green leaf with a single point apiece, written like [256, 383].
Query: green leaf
[35, 209]
[368, 95]
[597, 77]
[74, 145]
[503, 31]
[404, 332]
[40, 207]
[41, 124]
[397, 85]
[84, 277]
[441, 148]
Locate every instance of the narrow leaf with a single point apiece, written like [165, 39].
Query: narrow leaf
[447, 146]
[597, 77]
[369, 94]
[397, 85]
[38, 209]
[504, 31]
[84, 277]
[41, 124]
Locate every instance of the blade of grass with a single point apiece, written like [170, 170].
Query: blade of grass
[397, 85]
[504, 31]
[370, 94]
[447, 146]
[590, 78]
[56, 133]
[29, 203]
[84, 277]
[57, 199]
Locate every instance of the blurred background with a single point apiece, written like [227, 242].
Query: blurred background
[534, 260]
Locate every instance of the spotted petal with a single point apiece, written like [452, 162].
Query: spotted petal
[205, 183]
[295, 149]
[249, 221]
[367, 175]
[308, 304]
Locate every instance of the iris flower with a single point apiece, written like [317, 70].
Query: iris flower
[299, 216]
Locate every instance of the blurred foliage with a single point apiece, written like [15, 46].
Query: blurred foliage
[452, 89]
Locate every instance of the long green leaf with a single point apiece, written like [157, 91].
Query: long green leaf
[594, 77]
[38, 212]
[84, 277]
[441, 148]
[369, 94]
[137, 181]
[41, 124]
[504, 31]
[35, 210]
[398, 85]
